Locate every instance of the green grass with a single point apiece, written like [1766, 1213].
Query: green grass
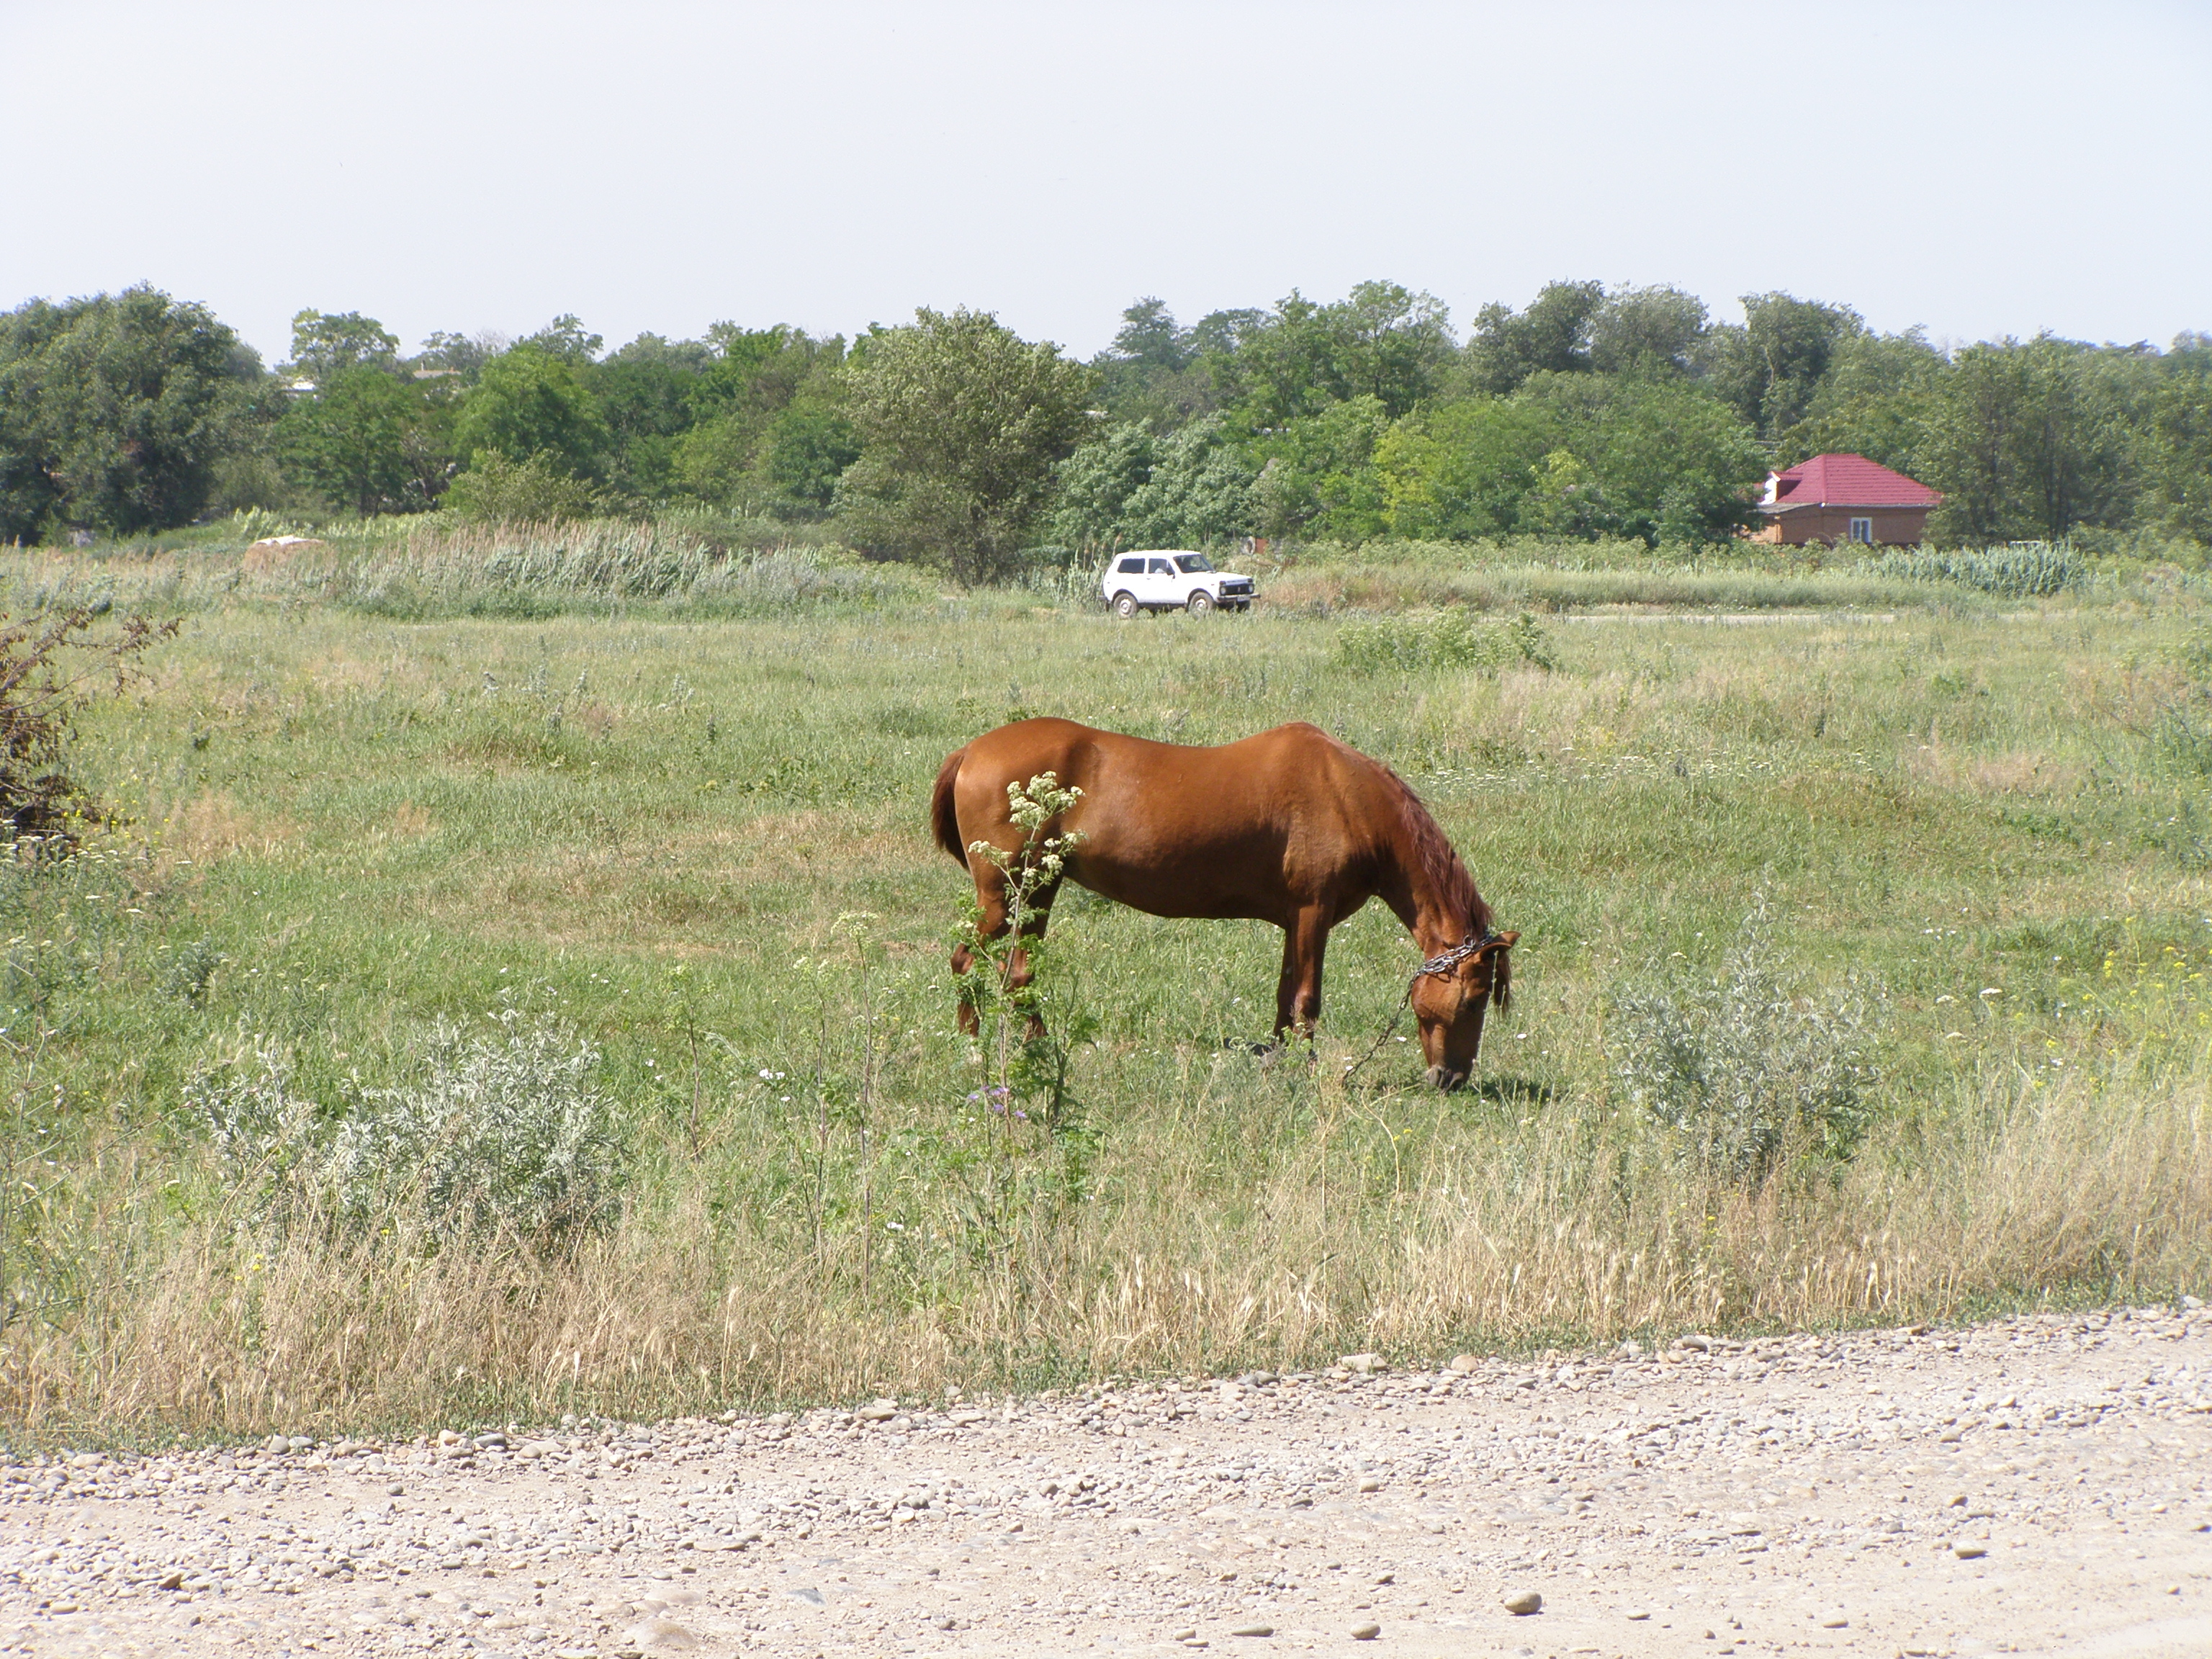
[367, 816]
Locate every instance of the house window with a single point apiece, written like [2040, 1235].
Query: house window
[1863, 531]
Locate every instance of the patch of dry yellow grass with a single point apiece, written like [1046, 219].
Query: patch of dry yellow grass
[1521, 1242]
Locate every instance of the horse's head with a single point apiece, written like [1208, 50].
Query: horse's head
[1450, 1000]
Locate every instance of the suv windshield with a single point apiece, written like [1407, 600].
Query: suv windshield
[1193, 564]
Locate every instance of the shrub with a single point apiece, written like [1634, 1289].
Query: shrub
[502, 1134]
[1452, 638]
[250, 1109]
[496, 490]
[505, 1133]
[1746, 1068]
[47, 666]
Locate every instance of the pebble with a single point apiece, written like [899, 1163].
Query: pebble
[1366, 1632]
[1521, 1603]
[1254, 1630]
[660, 1633]
[1969, 1551]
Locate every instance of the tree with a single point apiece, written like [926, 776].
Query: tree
[1317, 475]
[1463, 470]
[1096, 481]
[530, 491]
[2027, 440]
[1769, 367]
[1675, 464]
[370, 440]
[962, 423]
[462, 354]
[1876, 400]
[2177, 459]
[116, 410]
[1128, 489]
[566, 338]
[770, 435]
[1553, 335]
[1149, 335]
[1573, 455]
[326, 343]
[1381, 341]
[1640, 329]
[1158, 372]
[528, 402]
[647, 393]
[808, 448]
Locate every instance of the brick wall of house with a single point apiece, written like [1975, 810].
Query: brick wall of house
[1893, 526]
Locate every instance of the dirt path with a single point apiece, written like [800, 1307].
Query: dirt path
[2036, 1486]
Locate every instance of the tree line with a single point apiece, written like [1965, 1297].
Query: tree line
[1589, 412]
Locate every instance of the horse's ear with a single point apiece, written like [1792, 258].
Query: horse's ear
[1501, 969]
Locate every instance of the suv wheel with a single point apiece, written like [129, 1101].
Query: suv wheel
[1199, 603]
[1125, 605]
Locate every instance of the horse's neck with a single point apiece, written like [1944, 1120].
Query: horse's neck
[1434, 914]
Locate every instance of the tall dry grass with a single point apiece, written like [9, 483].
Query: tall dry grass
[1538, 1233]
[410, 568]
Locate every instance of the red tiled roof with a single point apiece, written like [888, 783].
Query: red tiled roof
[1850, 481]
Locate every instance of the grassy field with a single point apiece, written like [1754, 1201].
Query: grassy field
[413, 819]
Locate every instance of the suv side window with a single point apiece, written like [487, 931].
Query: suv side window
[1162, 567]
[1130, 568]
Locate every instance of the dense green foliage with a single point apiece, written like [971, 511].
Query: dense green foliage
[114, 411]
[951, 441]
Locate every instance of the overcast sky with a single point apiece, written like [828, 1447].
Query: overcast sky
[1979, 169]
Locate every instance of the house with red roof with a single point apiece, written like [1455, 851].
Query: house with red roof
[1845, 498]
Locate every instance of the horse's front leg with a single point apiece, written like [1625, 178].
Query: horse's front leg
[1298, 993]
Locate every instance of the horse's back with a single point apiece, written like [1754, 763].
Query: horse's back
[1253, 827]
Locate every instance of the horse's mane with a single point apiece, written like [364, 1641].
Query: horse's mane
[1436, 862]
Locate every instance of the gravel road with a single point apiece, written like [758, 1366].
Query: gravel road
[2037, 1485]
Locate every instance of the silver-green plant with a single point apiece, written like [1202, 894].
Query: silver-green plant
[1749, 1067]
[502, 1132]
[260, 1125]
[506, 1132]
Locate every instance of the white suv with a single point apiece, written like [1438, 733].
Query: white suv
[1169, 579]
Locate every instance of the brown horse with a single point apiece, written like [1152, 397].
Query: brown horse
[1289, 827]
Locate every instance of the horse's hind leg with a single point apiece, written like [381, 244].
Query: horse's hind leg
[991, 898]
[1298, 993]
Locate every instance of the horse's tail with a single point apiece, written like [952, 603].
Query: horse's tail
[944, 816]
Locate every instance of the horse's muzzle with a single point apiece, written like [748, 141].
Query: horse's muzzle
[1447, 1079]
